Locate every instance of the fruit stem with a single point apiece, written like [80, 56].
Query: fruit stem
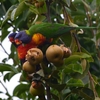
[92, 84]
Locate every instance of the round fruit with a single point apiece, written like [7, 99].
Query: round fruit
[54, 53]
[28, 67]
[39, 91]
[34, 56]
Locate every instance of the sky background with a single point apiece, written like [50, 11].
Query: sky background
[14, 80]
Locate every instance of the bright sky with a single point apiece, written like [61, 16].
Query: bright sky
[14, 80]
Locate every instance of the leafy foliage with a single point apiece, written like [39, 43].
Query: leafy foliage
[79, 77]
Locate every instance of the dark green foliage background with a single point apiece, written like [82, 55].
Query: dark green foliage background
[73, 84]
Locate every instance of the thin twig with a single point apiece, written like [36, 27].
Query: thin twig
[66, 18]
[48, 10]
[4, 49]
[92, 84]
[90, 76]
[4, 86]
[77, 42]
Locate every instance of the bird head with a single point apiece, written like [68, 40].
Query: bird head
[22, 37]
[11, 37]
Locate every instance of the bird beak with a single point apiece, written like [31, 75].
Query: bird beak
[11, 39]
[17, 41]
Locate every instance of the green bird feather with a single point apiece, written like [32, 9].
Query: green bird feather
[49, 30]
[52, 30]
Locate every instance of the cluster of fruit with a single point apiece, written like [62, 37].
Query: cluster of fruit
[54, 54]
[34, 57]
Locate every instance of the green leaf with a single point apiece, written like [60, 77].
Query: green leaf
[84, 92]
[7, 67]
[8, 76]
[2, 10]
[17, 11]
[68, 40]
[13, 1]
[77, 56]
[75, 82]
[54, 96]
[8, 14]
[80, 76]
[32, 8]
[21, 88]
[73, 68]
[98, 35]
[58, 87]
[4, 32]
[68, 2]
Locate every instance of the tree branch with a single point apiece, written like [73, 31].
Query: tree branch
[90, 76]
[48, 10]
[4, 49]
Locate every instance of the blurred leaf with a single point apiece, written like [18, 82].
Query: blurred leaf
[20, 89]
[8, 76]
[77, 56]
[98, 89]
[80, 76]
[68, 2]
[98, 35]
[86, 93]
[74, 82]
[14, 1]
[54, 96]
[86, 5]
[58, 87]
[8, 14]
[4, 32]
[17, 11]
[7, 67]
[2, 10]
[67, 41]
[73, 68]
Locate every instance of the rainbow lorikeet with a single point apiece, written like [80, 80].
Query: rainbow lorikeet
[43, 32]
[37, 35]
[20, 47]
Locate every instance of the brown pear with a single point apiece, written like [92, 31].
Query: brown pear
[28, 67]
[54, 53]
